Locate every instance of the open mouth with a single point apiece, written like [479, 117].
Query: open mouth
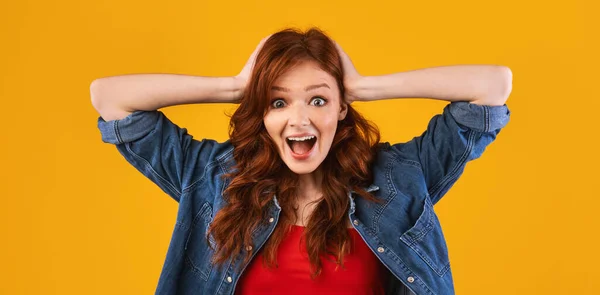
[301, 145]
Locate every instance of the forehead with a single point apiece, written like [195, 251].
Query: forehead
[304, 74]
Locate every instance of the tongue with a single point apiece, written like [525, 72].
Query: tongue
[301, 147]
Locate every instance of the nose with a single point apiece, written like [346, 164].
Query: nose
[299, 116]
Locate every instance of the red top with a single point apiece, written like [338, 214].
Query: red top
[363, 273]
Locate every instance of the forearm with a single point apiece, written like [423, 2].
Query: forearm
[480, 84]
[116, 97]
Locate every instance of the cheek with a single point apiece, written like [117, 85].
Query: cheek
[329, 125]
[273, 125]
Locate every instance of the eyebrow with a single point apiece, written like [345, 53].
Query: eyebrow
[308, 88]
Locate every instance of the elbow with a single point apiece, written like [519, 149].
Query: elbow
[107, 109]
[94, 95]
[498, 89]
[98, 99]
[506, 78]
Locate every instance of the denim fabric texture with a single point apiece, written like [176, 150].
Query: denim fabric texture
[403, 231]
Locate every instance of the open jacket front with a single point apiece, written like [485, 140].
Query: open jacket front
[403, 231]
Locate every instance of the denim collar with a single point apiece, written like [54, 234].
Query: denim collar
[370, 188]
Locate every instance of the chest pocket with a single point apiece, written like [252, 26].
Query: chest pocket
[427, 240]
[197, 252]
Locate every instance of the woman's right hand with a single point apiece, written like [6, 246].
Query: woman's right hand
[244, 76]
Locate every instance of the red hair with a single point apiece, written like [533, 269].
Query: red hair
[260, 173]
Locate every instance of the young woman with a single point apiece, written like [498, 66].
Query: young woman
[303, 198]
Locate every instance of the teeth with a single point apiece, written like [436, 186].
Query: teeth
[301, 138]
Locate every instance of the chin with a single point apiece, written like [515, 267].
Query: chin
[302, 168]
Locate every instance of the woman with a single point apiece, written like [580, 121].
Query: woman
[304, 198]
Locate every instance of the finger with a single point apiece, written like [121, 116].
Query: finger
[262, 42]
[340, 49]
[260, 46]
[344, 58]
[252, 58]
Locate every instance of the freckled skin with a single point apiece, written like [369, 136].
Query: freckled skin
[315, 111]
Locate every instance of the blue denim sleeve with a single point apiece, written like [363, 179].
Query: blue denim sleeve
[458, 135]
[159, 149]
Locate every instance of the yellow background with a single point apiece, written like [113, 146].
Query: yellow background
[76, 218]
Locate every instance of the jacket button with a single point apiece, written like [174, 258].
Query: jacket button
[271, 219]
[248, 248]
[355, 221]
[229, 280]
[410, 279]
[380, 249]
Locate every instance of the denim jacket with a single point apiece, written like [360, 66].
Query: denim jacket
[403, 231]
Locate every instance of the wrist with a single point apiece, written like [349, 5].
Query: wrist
[235, 87]
[361, 88]
[381, 87]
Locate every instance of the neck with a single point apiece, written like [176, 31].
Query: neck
[309, 186]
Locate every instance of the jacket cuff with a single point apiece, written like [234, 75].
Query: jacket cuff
[134, 126]
[482, 118]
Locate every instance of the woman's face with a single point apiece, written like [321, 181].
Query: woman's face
[303, 115]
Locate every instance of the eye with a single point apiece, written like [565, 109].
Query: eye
[278, 103]
[318, 101]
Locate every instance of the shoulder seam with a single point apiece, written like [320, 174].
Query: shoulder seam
[149, 167]
[216, 161]
[461, 161]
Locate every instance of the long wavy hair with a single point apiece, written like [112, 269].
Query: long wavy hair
[260, 173]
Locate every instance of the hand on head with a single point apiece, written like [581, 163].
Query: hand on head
[351, 76]
[245, 73]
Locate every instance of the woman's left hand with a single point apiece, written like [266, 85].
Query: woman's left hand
[351, 76]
